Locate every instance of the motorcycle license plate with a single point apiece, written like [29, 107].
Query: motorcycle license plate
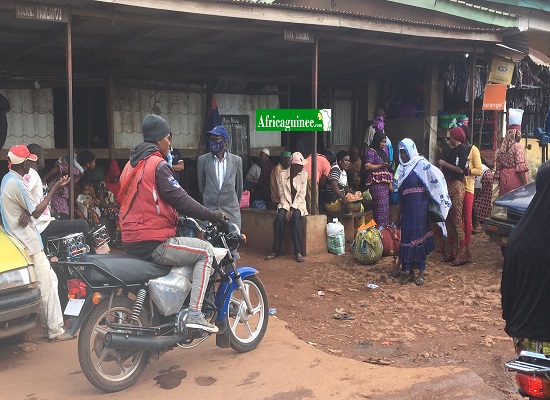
[103, 249]
[74, 306]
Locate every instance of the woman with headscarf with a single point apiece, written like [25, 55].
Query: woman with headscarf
[511, 164]
[453, 247]
[84, 161]
[418, 181]
[378, 178]
[108, 190]
[112, 178]
[526, 272]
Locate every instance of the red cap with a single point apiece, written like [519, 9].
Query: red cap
[19, 153]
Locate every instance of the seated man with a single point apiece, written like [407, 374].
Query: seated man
[150, 198]
[292, 206]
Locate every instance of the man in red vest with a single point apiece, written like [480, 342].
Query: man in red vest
[150, 198]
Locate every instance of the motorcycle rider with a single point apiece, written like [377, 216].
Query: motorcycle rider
[150, 199]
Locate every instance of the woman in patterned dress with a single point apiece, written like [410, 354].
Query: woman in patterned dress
[379, 178]
[418, 181]
[511, 163]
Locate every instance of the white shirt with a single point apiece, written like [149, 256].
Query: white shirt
[253, 174]
[221, 168]
[36, 189]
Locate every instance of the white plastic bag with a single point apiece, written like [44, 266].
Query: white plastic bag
[336, 237]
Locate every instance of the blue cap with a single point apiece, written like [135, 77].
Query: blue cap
[220, 131]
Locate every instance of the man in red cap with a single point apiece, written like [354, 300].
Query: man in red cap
[17, 208]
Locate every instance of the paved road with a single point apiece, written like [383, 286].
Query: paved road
[282, 368]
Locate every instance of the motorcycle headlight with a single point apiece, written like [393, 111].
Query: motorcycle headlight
[15, 278]
[498, 212]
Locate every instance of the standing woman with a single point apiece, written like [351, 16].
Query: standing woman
[472, 170]
[379, 178]
[454, 249]
[85, 161]
[510, 162]
[418, 181]
[483, 193]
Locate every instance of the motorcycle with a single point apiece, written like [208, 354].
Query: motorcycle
[532, 368]
[129, 310]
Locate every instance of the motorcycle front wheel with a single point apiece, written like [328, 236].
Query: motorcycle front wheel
[109, 369]
[248, 329]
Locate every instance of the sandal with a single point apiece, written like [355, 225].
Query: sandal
[272, 256]
[395, 273]
[299, 258]
[406, 279]
[419, 281]
[457, 263]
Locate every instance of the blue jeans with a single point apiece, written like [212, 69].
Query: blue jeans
[182, 251]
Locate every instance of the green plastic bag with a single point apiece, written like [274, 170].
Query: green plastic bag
[367, 246]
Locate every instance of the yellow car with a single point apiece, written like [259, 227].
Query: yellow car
[19, 292]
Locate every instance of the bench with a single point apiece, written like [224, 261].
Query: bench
[350, 221]
[257, 225]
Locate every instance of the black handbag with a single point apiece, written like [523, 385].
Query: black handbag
[434, 212]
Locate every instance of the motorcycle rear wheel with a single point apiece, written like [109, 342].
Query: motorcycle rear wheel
[247, 331]
[108, 369]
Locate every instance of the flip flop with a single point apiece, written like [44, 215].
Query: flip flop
[299, 258]
[457, 263]
[419, 281]
[61, 338]
[272, 256]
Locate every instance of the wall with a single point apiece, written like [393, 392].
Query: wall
[241, 104]
[412, 128]
[184, 112]
[30, 119]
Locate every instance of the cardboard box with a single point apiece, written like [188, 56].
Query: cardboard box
[502, 70]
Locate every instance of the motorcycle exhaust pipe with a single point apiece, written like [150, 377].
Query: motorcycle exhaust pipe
[126, 341]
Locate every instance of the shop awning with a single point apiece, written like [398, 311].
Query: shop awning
[539, 58]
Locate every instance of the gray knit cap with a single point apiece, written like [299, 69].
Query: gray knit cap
[154, 128]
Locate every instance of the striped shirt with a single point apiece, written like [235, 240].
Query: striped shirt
[15, 199]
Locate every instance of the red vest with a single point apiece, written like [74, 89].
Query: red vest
[144, 216]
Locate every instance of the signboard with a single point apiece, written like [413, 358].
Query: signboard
[494, 97]
[41, 12]
[502, 70]
[294, 119]
[295, 36]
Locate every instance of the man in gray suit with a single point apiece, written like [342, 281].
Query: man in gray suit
[221, 176]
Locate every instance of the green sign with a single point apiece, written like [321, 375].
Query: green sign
[294, 119]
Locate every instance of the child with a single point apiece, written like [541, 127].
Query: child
[86, 204]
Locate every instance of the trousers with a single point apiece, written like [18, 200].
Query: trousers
[181, 251]
[51, 316]
[279, 225]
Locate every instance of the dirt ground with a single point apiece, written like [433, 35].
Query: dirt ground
[453, 319]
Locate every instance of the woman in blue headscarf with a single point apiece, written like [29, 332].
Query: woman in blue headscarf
[418, 182]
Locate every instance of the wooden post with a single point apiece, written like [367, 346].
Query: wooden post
[314, 94]
[472, 89]
[70, 132]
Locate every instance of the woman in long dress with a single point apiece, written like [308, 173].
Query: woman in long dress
[511, 164]
[379, 178]
[418, 182]
[453, 247]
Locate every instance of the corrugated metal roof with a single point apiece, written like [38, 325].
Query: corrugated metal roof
[370, 16]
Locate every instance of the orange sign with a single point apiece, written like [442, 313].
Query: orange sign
[495, 97]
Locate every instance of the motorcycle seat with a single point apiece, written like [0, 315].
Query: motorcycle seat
[128, 269]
